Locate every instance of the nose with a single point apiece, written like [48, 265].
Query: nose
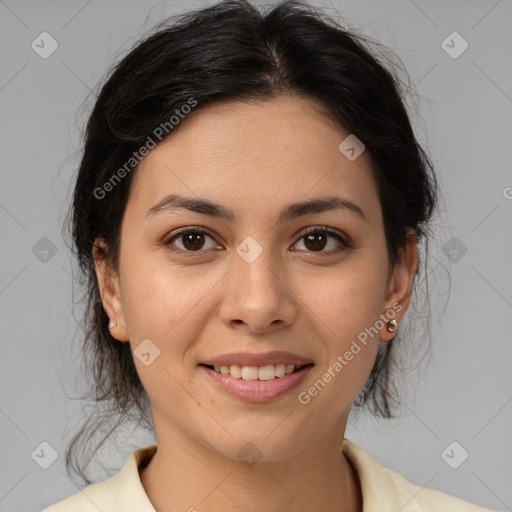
[258, 296]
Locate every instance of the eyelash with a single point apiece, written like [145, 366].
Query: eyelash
[315, 229]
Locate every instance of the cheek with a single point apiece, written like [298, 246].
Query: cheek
[345, 308]
[167, 304]
[156, 295]
[345, 301]
[161, 304]
[345, 314]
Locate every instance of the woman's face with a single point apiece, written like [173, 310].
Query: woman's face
[253, 281]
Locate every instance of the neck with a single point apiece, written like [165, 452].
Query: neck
[186, 475]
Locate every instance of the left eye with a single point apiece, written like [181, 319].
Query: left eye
[316, 239]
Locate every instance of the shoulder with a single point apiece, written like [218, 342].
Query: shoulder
[92, 498]
[385, 489]
[121, 493]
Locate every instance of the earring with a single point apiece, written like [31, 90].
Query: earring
[392, 325]
[111, 324]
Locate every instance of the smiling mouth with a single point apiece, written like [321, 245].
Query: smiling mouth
[266, 372]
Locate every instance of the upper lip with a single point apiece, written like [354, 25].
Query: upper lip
[252, 359]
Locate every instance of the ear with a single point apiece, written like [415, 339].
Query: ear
[399, 288]
[108, 282]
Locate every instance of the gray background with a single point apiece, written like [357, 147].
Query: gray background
[463, 394]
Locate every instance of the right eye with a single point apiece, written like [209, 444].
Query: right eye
[190, 239]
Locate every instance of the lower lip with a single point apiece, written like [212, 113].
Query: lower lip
[257, 391]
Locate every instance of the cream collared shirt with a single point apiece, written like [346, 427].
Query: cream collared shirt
[383, 489]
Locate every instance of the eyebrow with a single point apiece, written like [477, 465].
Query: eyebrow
[289, 212]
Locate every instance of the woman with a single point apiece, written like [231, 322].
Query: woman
[247, 213]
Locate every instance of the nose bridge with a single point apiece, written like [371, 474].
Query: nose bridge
[256, 265]
[256, 293]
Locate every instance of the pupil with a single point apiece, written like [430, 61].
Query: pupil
[313, 239]
[193, 241]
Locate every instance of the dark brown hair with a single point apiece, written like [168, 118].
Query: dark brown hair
[233, 51]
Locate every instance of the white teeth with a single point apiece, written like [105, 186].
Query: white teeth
[249, 372]
[235, 371]
[267, 372]
[280, 370]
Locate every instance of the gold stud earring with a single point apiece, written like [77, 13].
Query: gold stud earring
[392, 325]
[111, 324]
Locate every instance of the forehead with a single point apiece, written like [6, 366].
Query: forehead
[253, 155]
